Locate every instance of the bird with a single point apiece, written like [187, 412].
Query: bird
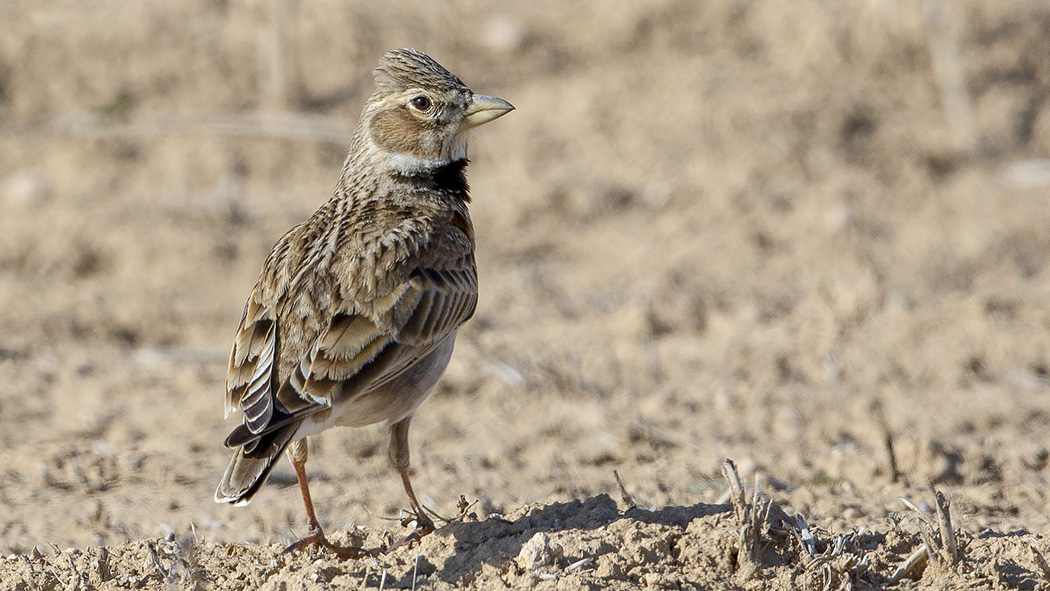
[355, 314]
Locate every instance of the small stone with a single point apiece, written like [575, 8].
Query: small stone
[540, 551]
[607, 569]
[652, 580]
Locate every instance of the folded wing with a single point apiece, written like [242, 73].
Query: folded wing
[363, 346]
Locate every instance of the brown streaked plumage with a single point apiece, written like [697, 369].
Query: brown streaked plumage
[355, 314]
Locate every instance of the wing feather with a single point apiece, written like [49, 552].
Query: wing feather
[251, 368]
[357, 353]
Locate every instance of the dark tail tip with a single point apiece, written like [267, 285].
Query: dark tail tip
[249, 468]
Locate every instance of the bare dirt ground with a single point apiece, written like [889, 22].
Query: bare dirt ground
[798, 235]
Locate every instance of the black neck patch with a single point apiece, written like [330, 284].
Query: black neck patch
[450, 178]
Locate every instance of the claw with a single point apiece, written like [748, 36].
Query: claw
[425, 527]
[317, 539]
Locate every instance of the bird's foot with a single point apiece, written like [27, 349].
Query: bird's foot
[424, 527]
[317, 538]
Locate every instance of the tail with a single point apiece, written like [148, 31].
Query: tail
[251, 464]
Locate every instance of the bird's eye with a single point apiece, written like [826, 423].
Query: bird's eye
[421, 102]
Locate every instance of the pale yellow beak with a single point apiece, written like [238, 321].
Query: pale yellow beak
[483, 109]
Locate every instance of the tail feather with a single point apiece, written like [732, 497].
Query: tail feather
[252, 464]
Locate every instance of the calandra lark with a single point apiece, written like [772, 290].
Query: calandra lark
[355, 314]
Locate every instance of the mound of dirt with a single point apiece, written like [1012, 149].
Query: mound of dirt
[577, 545]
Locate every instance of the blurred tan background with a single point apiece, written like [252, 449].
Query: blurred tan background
[778, 232]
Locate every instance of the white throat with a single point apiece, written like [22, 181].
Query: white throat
[410, 164]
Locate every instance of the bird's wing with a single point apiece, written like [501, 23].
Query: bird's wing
[249, 382]
[358, 352]
[366, 343]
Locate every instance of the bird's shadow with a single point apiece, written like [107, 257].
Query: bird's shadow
[496, 540]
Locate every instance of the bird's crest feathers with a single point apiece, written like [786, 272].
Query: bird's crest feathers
[401, 69]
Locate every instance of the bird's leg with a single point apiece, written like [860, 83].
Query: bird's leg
[297, 453]
[424, 525]
[399, 459]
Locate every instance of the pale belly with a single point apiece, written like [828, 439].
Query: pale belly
[394, 401]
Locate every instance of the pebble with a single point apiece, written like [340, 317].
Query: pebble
[540, 551]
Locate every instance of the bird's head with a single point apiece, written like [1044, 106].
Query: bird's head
[420, 113]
